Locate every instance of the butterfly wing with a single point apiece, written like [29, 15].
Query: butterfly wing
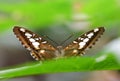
[78, 46]
[40, 49]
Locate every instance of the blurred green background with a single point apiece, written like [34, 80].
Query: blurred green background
[59, 19]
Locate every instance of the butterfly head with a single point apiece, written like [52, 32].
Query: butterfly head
[59, 48]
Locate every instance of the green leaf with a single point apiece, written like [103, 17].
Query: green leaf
[102, 12]
[33, 13]
[73, 64]
[44, 13]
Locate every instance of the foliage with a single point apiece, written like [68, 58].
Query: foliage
[43, 13]
[73, 64]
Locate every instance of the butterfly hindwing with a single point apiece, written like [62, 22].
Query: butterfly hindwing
[40, 49]
[85, 41]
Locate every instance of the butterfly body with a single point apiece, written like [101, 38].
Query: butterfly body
[41, 49]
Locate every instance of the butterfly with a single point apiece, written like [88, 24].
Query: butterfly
[40, 49]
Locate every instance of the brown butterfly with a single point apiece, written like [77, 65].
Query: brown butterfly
[41, 49]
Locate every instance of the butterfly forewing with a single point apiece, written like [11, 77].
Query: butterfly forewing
[40, 49]
[85, 41]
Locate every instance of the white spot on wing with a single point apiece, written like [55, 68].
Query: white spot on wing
[81, 38]
[34, 56]
[86, 40]
[42, 51]
[81, 45]
[75, 51]
[28, 35]
[44, 42]
[95, 30]
[32, 40]
[90, 35]
[31, 54]
[40, 38]
[36, 38]
[36, 59]
[36, 44]
[75, 42]
[33, 34]
[23, 45]
[22, 29]
[29, 48]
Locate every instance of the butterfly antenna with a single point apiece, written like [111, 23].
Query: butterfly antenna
[67, 39]
[50, 39]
